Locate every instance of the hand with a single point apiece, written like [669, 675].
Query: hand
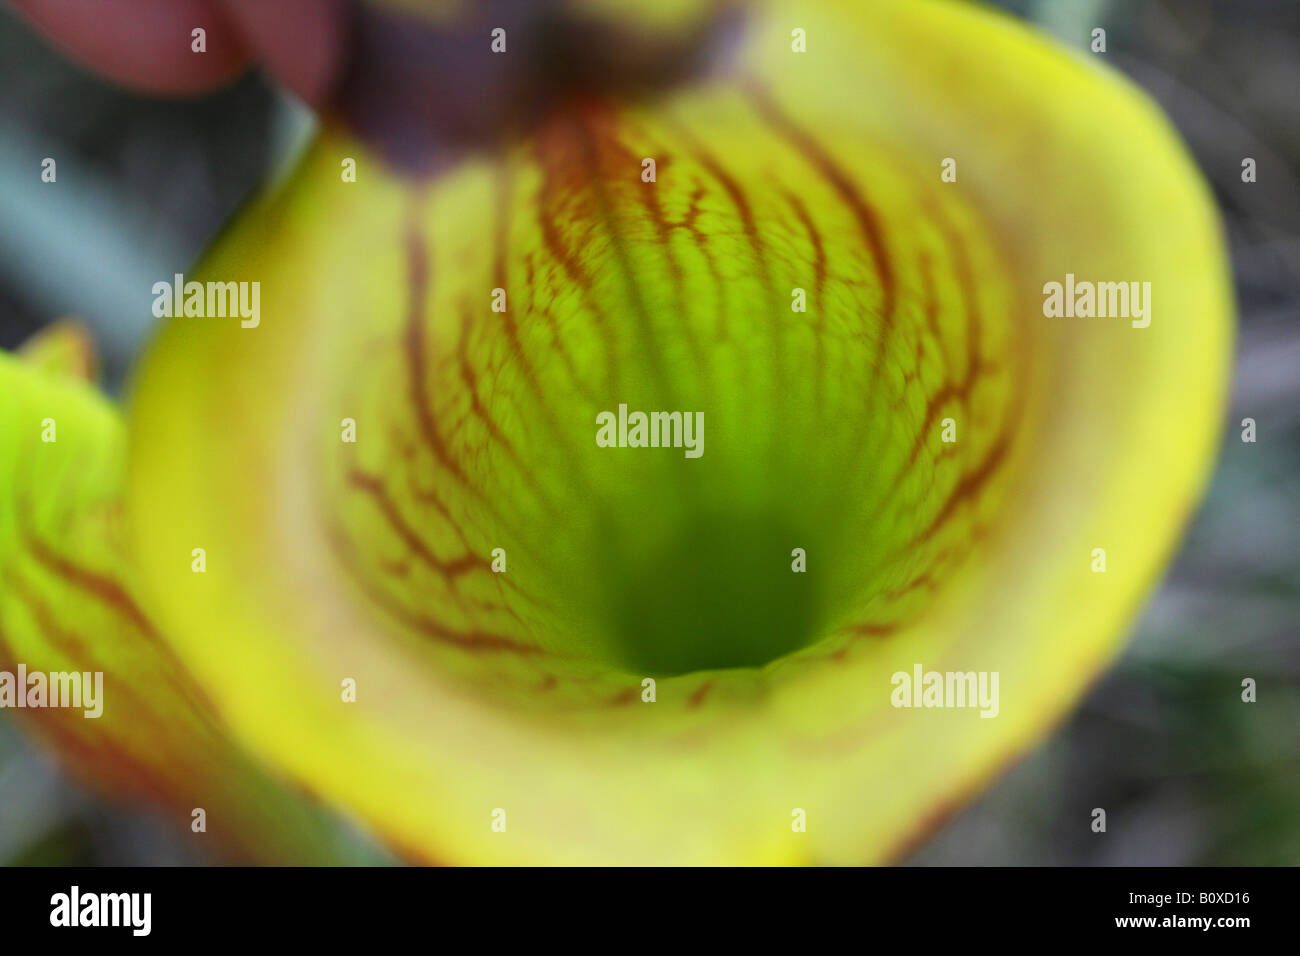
[146, 44]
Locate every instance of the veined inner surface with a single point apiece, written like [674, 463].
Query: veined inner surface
[822, 429]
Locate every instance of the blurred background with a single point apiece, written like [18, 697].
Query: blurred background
[1187, 773]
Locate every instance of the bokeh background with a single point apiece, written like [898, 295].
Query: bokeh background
[1187, 773]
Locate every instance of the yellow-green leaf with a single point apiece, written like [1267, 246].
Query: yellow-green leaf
[145, 731]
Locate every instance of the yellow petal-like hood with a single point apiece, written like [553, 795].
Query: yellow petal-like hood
[331, 560]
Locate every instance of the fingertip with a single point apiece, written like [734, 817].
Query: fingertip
[147, 45]
[301, 42]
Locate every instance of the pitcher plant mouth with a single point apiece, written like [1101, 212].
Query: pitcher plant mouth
[607, 478]
[480, 516]
[822, 426]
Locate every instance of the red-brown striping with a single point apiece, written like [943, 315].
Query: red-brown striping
[819, 253]
[501, 250]
[866, 217]
[472, 640]
[104, 588]
[693, 208]
[970, 484]
[744, 208]
[975, 363]
[543, 309]
[552, 155]
[430, 497]
[348, 553]
[863, 213]
[624, 697]
[925, 263]
[416, 352]
[373, 486]
[470, 381]
[699, 694]
[753, 235]
[115, 597]
[649, 196]
[690, 223]
[146, 705]
[418, 280]
[604, 207]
